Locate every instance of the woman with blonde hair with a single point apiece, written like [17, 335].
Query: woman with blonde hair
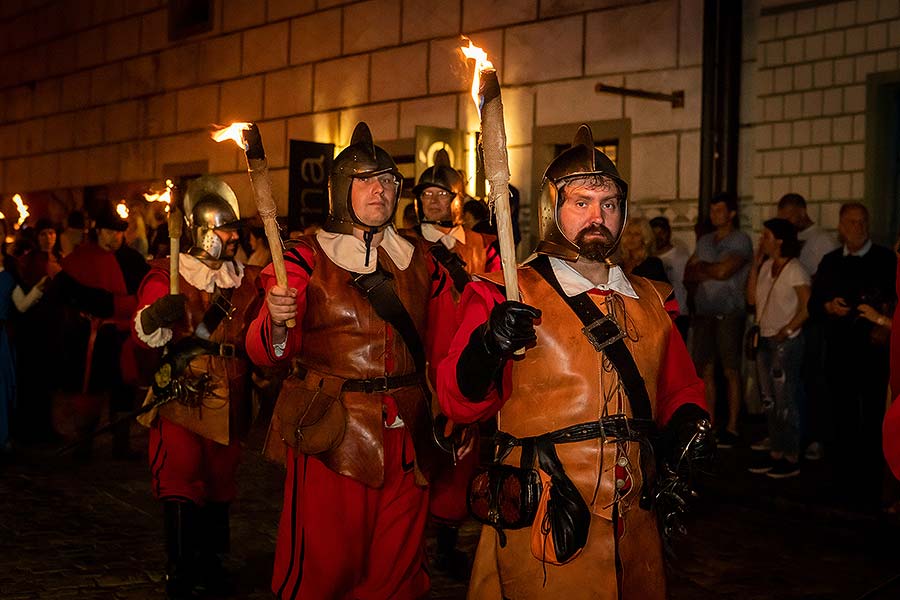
[635, 251]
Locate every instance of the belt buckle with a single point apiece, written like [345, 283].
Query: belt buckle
[226, 350]
[603, 332]
[619, 423]
[377, 384]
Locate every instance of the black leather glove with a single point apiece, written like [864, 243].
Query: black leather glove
[690, 444]
[164, 312]
[509, 327]
[91, 300]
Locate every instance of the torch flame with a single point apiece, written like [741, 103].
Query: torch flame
[232, 132]
[122, 209]
[2, 216]
[165, 196]
[22, 208]
[481, 64]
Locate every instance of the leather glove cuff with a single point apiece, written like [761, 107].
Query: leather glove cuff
[480, 364]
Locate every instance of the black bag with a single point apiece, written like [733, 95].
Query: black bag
[751, 342]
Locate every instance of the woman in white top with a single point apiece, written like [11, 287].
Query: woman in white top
[779, 288]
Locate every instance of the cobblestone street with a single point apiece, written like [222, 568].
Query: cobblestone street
[93, 531]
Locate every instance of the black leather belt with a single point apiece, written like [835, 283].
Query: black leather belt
[616, 426]
[383, 384]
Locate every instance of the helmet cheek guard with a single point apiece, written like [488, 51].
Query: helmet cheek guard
[582, 160]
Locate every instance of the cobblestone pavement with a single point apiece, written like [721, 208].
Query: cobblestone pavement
[92, 531]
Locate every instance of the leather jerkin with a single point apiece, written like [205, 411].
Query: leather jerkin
[343, 337]
[560, 382]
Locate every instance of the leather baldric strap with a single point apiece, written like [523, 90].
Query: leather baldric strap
[379, 290]
[220, 308]
[454, 264]
[604, 334]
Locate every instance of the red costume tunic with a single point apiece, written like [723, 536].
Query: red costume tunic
[891, 428]
[185, 460]
[560, 382]
[353, 518]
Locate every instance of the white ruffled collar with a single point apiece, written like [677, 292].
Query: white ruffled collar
[349, 252]
[202, 277]
[449, 239]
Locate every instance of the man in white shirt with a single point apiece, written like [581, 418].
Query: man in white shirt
[674, 259]
[816, 242]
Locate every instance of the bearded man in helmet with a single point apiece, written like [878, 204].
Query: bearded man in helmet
[352, 422]
[578, 414]
[196, 437]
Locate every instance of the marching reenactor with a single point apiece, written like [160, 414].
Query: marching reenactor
[572, 498]
[352, 422]
[203, 384]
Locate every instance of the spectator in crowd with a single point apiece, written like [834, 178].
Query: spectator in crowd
[43, 260]
[719, 267]
[157, 230]
[778, 286]
[260, 255]
[474, 212]
[73, 234]
[816, 243]
[674, 258]
[853, 291]
[136, 234]
[410, 220]
[636, 248]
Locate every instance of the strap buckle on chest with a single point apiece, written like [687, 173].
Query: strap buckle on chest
[603, 332]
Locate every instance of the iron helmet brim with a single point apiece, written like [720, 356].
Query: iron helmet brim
[209, 205]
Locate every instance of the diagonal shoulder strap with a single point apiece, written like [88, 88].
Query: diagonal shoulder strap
[220, 308]
[604, 335]
[451, 261]
[379, 290]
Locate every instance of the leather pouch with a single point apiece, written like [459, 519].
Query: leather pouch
[504, 497]
[560, 527]
[309, 415]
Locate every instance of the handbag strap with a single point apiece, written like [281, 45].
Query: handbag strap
[617, 352]
[771, 289]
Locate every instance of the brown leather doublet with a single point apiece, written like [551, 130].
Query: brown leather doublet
[563, 381]
[225, 414]
[342, 336]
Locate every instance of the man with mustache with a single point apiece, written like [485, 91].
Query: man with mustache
[603, 368]
[196, 437]
[352, 422]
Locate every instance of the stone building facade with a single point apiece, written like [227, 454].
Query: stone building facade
[94, 93]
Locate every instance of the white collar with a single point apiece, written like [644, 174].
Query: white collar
[449, 239]
[573, 283]
[204, 278]
[349, 252]
[861, 252]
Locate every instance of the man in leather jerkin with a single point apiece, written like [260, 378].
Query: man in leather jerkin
[356, 497]
[563, 381]
[196, 437]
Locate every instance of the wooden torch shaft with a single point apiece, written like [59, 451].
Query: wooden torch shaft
[174, 279]
[496, 167]
[265, 205]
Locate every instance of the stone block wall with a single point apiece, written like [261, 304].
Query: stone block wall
[93, 91]
[808, 113]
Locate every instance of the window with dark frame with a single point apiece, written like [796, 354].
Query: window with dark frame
[189, 17]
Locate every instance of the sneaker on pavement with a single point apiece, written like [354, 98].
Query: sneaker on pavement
[783, 469]
[814, 451]
[726, 439]
[763, 444]
[761, 463]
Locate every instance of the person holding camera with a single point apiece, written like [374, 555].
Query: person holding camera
[854, 291]
[778, 286]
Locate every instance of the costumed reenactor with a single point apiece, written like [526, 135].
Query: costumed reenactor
[100, 280]
[352, 422]
[439, 196]
[204, 379]
[571, 497]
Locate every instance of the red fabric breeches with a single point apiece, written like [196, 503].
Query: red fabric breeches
[186, 466]
[448, 489]
[339, 539]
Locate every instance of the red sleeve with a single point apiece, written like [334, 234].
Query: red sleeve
[891, 437]
[678, 383]
[492, 262]
[154, 286]
[299, 262]
[475, 307]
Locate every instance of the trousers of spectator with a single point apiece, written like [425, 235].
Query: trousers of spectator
[778, 366]
[340, 539]
[186, 466]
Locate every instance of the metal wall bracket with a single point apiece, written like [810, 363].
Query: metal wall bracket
[676, 97]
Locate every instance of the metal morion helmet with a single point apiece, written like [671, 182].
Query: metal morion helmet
[209, 204]
[362, 158]
[582, 159]
[441, 175]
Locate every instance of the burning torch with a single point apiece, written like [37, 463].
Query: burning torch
[174, 223]
[247, 136]
[486, 94]
[22, 209]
